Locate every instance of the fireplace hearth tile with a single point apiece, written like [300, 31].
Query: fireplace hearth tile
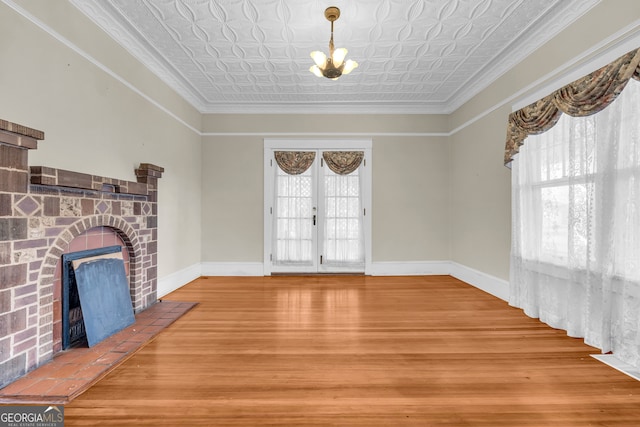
[40, 386]
[72, 372]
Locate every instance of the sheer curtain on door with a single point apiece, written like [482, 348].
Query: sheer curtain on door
[294, 205]
[337, 210]
[343, 237]
[575, 259]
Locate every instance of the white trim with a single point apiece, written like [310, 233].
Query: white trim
[622, 42]
[542, 31]
[320, 144]
[105, 16]
[411, 268]
[276, 135]
[483, 281]
[272, 144]
[615, 363]
[588, 61]
[497, 287]
[232, 269]
[268, 183]
[174, 281]
[348, 107]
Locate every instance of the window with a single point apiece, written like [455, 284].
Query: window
[580, 188]
[575, 260]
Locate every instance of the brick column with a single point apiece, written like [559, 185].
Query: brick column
[15, 141]
[149, 174]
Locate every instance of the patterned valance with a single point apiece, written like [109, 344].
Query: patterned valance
[295, 162]
[343, 162]
[583, 97]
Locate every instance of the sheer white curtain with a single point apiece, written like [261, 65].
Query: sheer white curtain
[338, 210]
[343, 231]
[575, 258]
[294, 207]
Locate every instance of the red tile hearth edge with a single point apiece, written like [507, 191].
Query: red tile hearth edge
[72, 372]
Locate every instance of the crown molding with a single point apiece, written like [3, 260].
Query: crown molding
[548, 26]
[515, 52]
[105, 17]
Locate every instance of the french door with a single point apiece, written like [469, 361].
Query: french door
[316, 202]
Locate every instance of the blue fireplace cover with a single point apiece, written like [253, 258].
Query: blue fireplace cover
[104, 297]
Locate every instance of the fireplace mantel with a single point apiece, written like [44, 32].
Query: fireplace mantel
[42, 209]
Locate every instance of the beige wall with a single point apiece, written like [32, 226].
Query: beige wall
[440, 190]
[481, 200]
[94, 123]
[411, 213]
[410, 218]
[232, 201]
[481, 196]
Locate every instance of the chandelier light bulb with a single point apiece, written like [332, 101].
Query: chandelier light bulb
[316, 70]
[349, 66]
[319, 58]
[338, 56]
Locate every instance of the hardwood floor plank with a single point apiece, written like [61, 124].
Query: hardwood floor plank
[357, 351]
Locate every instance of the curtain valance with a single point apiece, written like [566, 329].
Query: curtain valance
[295, 162]
[582, 97]
[343, 162]
[340, 162]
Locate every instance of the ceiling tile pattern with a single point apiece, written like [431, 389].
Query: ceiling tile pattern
[415, 56]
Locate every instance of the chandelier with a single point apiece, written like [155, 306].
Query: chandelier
[333, 66]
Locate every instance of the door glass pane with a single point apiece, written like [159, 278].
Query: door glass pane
[343, 242]
[294, 233]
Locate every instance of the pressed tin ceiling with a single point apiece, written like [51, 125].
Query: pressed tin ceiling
[252, 56]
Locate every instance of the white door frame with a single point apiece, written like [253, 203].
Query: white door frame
[271, 145]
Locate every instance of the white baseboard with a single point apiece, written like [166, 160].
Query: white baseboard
[178, 279]
[232, 269]
[497, 287]
[411, 268]
[483, 281]
[486, 282]
[615, 363]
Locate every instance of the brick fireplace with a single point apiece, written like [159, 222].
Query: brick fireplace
[46, 212]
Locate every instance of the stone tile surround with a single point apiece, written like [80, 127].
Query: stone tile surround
[42, 210]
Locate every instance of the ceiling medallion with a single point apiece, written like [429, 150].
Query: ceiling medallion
[334, 65]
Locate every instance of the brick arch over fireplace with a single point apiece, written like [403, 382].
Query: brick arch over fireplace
[123, 229]
[134, 245]
[66, 241]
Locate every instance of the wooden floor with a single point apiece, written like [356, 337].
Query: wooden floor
[357, 351]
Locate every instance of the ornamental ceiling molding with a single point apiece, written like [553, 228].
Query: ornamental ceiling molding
[520, 48]
[545, 26]
[103, 15]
